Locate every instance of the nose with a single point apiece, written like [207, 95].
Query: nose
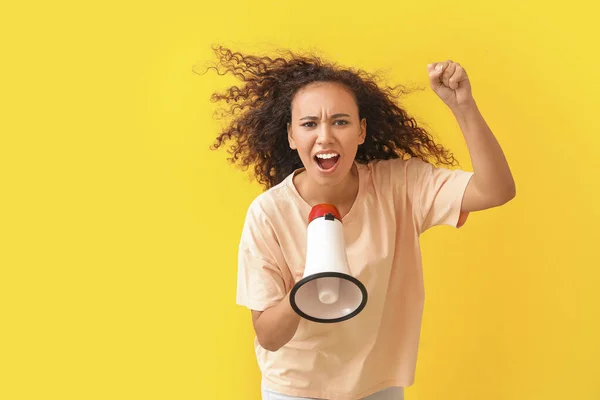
[325, 134]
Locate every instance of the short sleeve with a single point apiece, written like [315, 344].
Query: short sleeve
[261, 283]
[437, 194]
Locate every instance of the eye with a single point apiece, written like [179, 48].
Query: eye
[341, 122]
[309, 124]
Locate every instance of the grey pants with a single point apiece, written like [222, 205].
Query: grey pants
[391, 393]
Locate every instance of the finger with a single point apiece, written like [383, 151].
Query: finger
[448, 72]
[459, 75]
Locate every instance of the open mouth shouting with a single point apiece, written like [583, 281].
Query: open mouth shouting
[327, 160]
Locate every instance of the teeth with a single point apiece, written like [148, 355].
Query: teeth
[325, 156]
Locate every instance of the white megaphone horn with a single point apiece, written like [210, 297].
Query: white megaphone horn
[327, 292]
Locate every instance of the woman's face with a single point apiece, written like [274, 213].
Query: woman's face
[326, 131]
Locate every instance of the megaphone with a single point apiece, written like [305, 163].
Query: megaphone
[327, 292]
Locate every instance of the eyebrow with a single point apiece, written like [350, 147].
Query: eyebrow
[310, 117]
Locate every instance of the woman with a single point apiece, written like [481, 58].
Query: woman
[316, 133]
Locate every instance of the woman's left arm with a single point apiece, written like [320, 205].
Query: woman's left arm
[492, 183]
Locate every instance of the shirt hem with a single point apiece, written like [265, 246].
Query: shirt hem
[331, 395]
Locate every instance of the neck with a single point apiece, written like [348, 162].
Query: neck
[342, 195]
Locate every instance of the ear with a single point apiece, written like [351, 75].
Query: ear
[291, 140]
[363, 131]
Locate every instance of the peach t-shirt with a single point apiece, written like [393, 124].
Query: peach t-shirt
[397, 201]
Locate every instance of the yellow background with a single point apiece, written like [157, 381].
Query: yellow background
[120, 228]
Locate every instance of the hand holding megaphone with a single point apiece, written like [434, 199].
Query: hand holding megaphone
[327, 292]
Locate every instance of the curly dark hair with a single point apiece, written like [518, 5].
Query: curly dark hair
[261, 108]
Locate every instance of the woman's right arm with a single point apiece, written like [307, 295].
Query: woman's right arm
[276, 325]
